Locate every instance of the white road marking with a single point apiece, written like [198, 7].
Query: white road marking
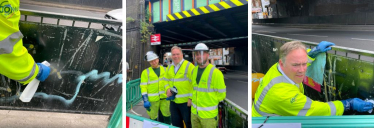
[307, 35]
[361, 39]
[135, 113]
[243, 81]
[237, 106]
[262, 31]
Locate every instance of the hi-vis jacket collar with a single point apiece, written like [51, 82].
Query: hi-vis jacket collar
[281, 71]
[180, 63]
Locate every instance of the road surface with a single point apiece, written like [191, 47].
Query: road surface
[37, 119]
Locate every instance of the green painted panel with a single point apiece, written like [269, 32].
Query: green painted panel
[346, 121]
[187, 4]
[156, 11]
[200, 3]
[176, 6]
[214, 1]
[116, 119]
[133, 94]
[165, 9]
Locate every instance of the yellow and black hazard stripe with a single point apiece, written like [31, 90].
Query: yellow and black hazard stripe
[206, 9]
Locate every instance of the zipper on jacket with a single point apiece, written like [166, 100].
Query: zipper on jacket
[158, 84]
[197, 111]
[175, 74]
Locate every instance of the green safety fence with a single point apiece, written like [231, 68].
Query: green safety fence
[142, 119]
[116, 119]
[233, 115]
[133, 94]
[348, 121]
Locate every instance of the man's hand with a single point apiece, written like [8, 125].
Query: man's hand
[357, 104]
[323, 46]
[147, 105]
[168, 93]
[43, 72]
[189, 102]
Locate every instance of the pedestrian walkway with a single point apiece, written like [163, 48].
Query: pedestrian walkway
[139, 110]
[37, 119]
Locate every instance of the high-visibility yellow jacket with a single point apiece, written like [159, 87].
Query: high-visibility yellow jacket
[208, 93]
[16, 63]
[153, 85]
[276, 96]
[181, 80]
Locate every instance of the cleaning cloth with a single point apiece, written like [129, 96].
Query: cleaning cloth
[317, 68]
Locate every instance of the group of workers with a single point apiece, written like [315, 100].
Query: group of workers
[181, 91]
[186, 93]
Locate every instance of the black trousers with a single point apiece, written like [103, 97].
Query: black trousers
[179, 113]
[160, 116]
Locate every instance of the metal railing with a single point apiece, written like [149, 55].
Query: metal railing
[60, 16]
[133, 94]
[116, 119]
[359, 54]
[235, 116]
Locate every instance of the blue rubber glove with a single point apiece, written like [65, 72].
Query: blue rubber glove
[323, 46]
[171, 98]
[43, 72]
[147, 104]
[357, 105]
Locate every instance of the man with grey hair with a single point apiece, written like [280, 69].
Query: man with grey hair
[281, 92]
[180, 88]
